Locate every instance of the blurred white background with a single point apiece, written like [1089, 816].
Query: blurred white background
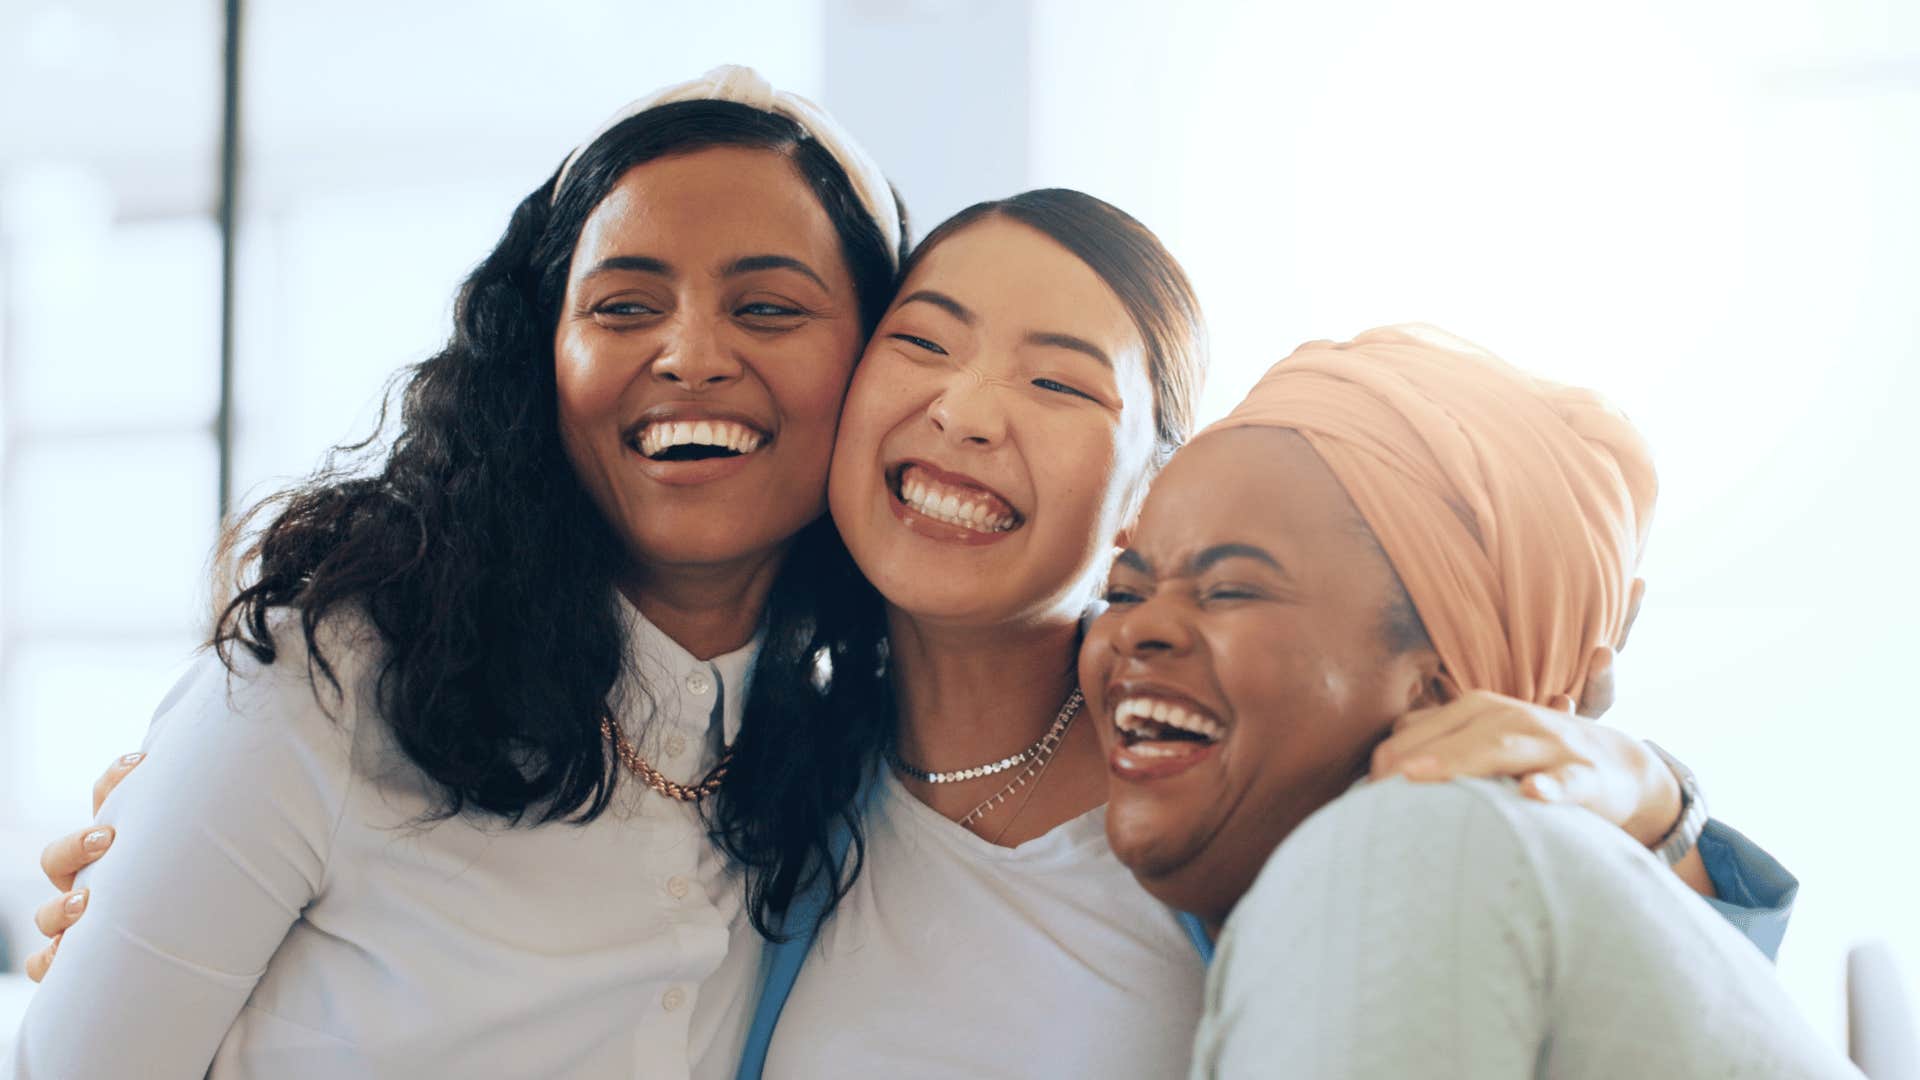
[1708, 210]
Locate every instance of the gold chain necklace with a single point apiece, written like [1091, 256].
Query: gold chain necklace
[1048, 744]
[652, 777]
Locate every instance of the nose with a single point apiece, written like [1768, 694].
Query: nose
[694, 358]
[966, 412]
[1153, 626]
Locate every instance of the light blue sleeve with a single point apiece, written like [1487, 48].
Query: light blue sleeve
[781, 961]
[1756, 892]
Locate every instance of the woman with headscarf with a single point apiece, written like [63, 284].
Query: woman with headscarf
[1041, 360]
[1396, 523]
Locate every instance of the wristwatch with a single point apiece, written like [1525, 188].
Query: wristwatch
[1693, 812]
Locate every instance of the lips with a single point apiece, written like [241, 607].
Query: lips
[686, 446]
[672, 434]
[946, 505]
[1162, 733]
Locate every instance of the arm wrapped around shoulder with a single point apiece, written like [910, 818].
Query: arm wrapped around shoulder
[223, 838]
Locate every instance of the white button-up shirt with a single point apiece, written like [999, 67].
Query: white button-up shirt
[278, 905]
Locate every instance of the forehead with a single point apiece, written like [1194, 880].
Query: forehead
[1260, 486]
[1018, 279]
[712, 204]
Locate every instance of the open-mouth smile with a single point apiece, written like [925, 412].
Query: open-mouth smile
[1159, 727]
[1161, 734]
[957, 502]
[694, 439]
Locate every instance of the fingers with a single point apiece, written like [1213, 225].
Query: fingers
[1572, 784]
[38, 963]
[110, 779]
[1416, 730]
[67, 856]
[1480, 734]
[54, 917]
[1480, 751]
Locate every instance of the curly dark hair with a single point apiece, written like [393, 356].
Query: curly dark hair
[488, 572]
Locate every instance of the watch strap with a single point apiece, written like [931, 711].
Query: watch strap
[1693, 811]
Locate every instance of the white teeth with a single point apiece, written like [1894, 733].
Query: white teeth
[1151, 749]
[954, 508]
[1139, 716]
[666, 434]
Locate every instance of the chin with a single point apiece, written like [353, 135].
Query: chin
[694, 545]
[1149, 844]
[950, 605]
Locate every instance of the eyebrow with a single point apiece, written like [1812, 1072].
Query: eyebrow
[1220, 553]
[942, 301]
[1068, 341]
[1202, 562]
[748, 264]
[641, 263]
[751, 263]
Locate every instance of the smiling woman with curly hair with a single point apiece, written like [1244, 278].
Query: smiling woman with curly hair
[387, 826]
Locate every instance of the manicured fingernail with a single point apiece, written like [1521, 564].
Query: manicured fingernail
[1547, 789]
[96, 841]
[77, 903]
[131, 760]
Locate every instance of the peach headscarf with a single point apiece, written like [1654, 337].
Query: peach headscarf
[1513, 508]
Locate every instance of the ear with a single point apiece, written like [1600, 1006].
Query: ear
[1428, 684]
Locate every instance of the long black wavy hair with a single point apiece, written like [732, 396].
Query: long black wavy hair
[488, 573]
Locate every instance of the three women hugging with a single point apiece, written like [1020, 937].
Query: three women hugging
[729, 671]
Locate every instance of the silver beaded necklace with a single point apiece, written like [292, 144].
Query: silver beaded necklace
[1012, 761]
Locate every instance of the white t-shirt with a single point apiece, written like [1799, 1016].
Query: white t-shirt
[274, 909]
[1461, 930]
[955, 958]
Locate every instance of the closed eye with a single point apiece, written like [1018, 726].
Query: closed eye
[920, 342]
[766, 310]
[625, 309]
[1062, 388]
[1120, 594]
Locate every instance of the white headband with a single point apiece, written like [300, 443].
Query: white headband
[745, 86]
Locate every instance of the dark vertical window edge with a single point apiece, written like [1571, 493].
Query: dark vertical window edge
[229, 197]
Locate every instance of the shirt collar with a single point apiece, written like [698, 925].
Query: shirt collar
[662, 662]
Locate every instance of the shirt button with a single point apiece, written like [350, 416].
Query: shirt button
[676, 745]
[677, 887]
[700, 683]
[673, 999]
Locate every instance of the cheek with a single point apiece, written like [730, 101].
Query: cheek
[884, 394]
[587, 380]
[809, 389]
[1278, 677]
[1095, 664]
[1079, 467]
